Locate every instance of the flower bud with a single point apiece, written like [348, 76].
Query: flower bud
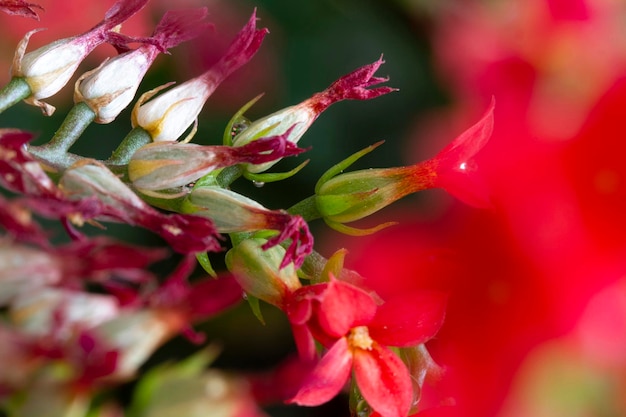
[26, 269]
[106, 93]
[258, 271]
[34, 312]
[49, 68]
[168, 115]
[351, 196]
[352, 86]
[163, 165]
[232, 212]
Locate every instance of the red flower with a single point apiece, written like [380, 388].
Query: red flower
[358, 332]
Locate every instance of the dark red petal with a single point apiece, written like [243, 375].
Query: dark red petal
[409, 319]
[178, 26]
[20, 8]
[290, 227]
[241, 50]
[327, 378]
[384, 381]
[121, 11]
[343, 307]
[352, 86]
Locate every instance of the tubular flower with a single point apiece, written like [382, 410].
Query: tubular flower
[348, 197]
[49, 68]
[20, 8]
[162, 165]
[107, 197]
[357, 332]
[232, 212]
[106, 93]
[353, 86]
[168, 115]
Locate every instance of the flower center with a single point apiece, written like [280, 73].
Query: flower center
[359, 337]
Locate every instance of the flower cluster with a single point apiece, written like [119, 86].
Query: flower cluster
[84, 315]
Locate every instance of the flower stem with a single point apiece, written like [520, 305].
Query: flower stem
[75, 123]
[16, 90]
[137, 138]
[306, 208]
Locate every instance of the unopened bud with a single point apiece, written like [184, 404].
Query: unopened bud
[258, 271]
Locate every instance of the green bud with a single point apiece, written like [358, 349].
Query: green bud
[258, 271]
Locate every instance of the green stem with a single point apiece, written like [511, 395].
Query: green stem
[75, 123]
[137, 138]
[229, 175]
[15, 91]
[306, 208]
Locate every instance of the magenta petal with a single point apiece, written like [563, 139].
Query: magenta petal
[294, 228]
[343, 307]
[178, 26]
[409, 319]
[327, 378]
[242, 49]
[384, 381]
[121, 11]
[20, 8]
[266, 149]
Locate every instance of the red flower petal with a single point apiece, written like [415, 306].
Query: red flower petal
[343, 307]
[327, 378]
[409, 319]
[384, 381]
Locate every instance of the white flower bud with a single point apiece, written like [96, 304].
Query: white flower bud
[110, 88]
[168, 115]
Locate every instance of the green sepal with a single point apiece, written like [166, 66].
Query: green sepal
[353, 231]
[205, 263]
[255, 306]
[340, 203]
[333, 266]
[341, 166]
[274, 176]
[228, 138]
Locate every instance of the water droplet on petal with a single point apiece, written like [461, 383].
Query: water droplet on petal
[239, 126]
[258, 184]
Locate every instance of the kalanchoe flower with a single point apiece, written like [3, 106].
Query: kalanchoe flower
[258, 271]
[106, 92]
[232, 212]
[49, 68]
[162, 165]
[357, 332]
[353, 86]
[20, 8]
[168, 115]
[352, 196]
[110, 198]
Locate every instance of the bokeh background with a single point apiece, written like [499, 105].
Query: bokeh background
[536, 324]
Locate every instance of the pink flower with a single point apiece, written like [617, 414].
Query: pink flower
[357, 331]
